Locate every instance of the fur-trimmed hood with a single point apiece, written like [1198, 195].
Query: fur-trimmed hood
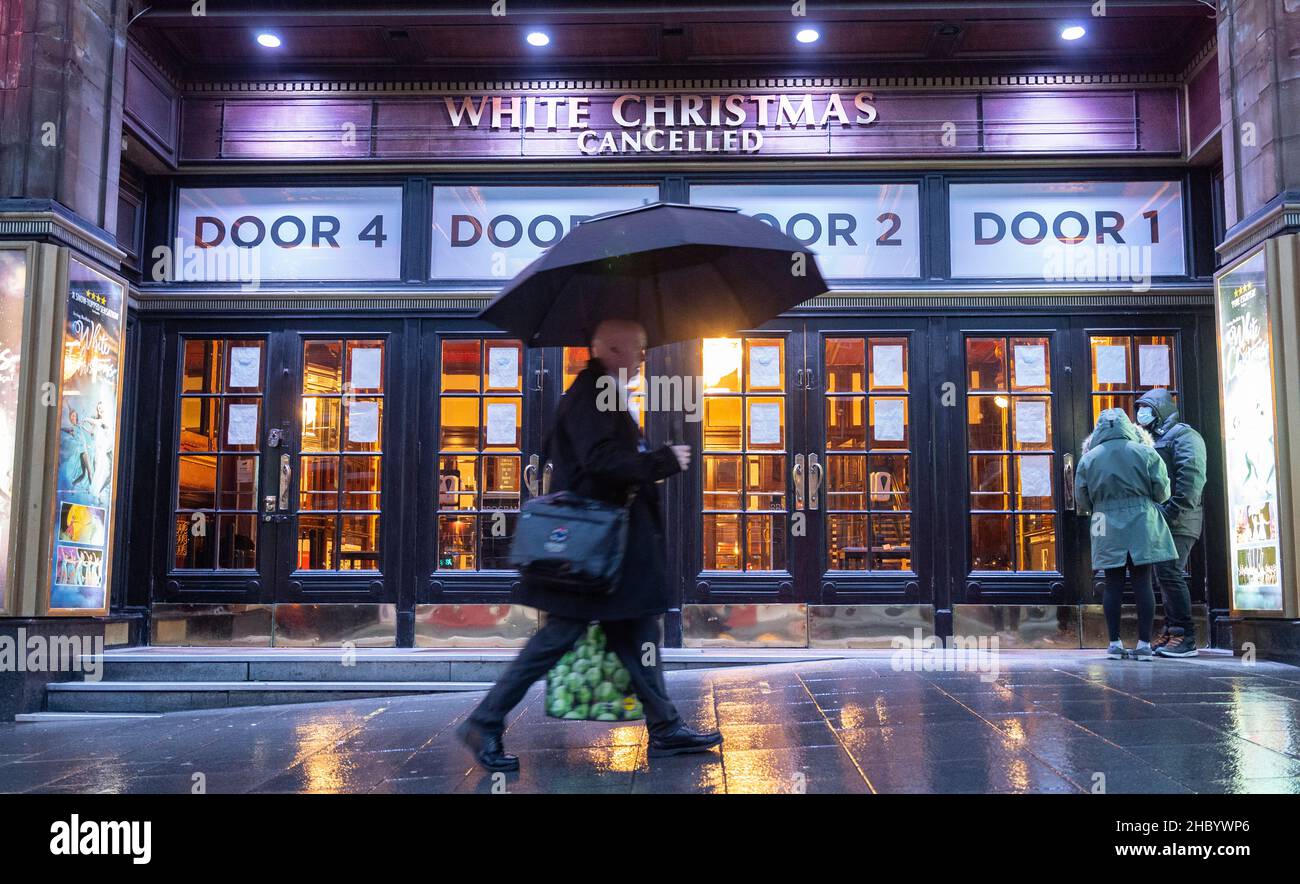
[1113, 423]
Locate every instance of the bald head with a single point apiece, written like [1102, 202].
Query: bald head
[619, 343]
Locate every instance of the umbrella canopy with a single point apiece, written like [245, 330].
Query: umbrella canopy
[681, 271]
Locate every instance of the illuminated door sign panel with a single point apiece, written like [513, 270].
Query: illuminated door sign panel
[857, 231]
[494, 232]
[278, 234]
[1250, 442]
[88, 441]
[1076, 232]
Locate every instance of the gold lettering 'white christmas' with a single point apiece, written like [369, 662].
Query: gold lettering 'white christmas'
[665, 123]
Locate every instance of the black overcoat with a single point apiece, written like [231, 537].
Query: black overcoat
[597, 453]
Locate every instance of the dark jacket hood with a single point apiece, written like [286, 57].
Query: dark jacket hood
[1161, 404]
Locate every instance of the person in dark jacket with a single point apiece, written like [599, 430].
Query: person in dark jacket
[1183, 451]
[598, 452]
[1121, 481]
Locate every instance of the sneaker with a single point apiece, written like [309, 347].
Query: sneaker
[1184, 647]
[1143, 654]
[1116, 651]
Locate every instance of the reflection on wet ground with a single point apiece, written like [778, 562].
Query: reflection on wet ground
[1049, 722]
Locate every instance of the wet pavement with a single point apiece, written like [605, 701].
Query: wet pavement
[1048, 722]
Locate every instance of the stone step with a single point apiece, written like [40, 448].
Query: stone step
[372, 665]
[178, 696]
[155, 680]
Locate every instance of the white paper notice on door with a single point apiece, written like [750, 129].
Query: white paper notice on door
[764, 367]
[887, 365]
[1112, 364]
[1035, 475]
[1031, 365]
[367, 366]
[503, 368]
[245, 366]
[241, 424]
[889, 420]
[1031, 420]
[764, 423]
[1153, 365]
[363, 420]
[501, 425]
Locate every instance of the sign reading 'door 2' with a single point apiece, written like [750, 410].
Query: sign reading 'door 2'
[229, 234]
[1073, 231]
[857, 231]
[494, 232]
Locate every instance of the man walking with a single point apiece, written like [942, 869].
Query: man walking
[1183, 451]
[599, 452]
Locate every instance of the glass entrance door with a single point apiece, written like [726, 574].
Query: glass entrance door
[281, 467]
[870, 476]
[1009, 426]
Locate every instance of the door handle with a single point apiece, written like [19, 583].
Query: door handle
[530, 474]
[546, 478]
[1068, 484]
[796, 475]
[815, 474]
[286, 478]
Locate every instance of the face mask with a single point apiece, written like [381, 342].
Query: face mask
[1145, 416]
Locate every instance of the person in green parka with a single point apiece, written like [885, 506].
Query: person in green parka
[1121, 481]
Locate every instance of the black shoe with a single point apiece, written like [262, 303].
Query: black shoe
[683, 740]
[487, 748]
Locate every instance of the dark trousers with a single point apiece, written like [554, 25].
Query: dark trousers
[1173, 587]
[626, 638]
[1112, 601]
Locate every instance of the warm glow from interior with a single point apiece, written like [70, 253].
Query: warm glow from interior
[721, 358]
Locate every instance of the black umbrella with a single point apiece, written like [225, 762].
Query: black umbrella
[682, 271]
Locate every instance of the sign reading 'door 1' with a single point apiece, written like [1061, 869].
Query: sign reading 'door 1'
[247, 234]
[494, 232]
[1094, 231]
[857, 231]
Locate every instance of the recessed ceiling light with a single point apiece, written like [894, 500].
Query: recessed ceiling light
[1073, 32]
[269, 40]
[807, 35]
[538, 38]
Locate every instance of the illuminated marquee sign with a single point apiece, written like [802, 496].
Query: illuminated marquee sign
[649, 123]
[494, 232]
[857, 231]
[254, 234]
[1071, 232]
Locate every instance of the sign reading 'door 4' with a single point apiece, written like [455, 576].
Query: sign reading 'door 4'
[857, 231]
[1091, 231]
[494, 232]
[243, 234]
